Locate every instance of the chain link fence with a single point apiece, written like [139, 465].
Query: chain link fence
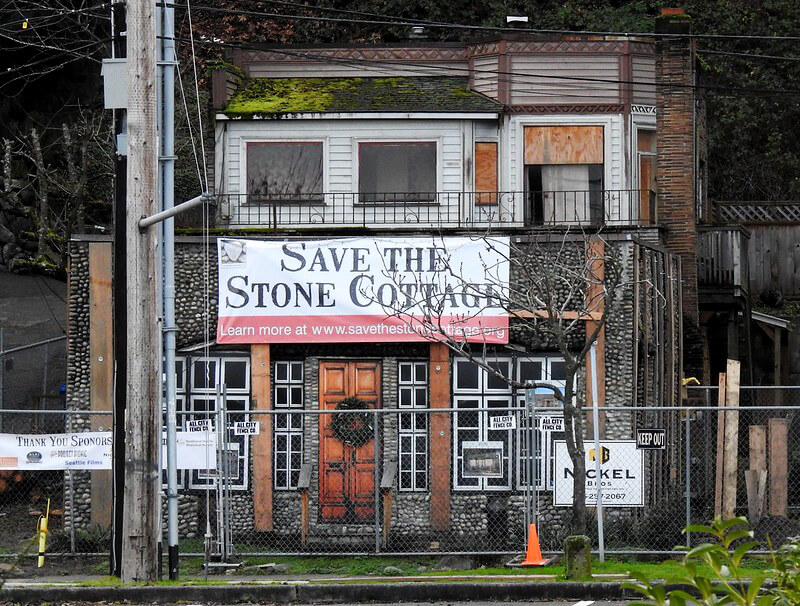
[32, 378]
[394, 481]
[79, 500]
[416, 480]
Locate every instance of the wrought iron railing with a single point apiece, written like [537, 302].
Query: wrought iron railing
[438, 209]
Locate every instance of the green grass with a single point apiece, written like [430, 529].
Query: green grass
[301, 566]
[374, 565]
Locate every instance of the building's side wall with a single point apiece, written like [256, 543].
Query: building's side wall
[485, 76]
[77, 503]
[564, 78]
[643, 71]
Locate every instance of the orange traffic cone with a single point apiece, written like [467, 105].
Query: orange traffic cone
[533, 555]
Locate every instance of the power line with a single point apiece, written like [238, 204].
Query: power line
[87, 46]
[341, 11]
[517, 77]
[534, 76]
[387, 20]
[706, 51]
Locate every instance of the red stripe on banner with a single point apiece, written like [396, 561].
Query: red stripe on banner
[355, 329]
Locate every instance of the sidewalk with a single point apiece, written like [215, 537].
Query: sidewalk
[314, 589]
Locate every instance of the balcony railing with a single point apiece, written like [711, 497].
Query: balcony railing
[722, 257]
[438, 209]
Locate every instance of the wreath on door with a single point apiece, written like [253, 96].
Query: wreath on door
[355, 429]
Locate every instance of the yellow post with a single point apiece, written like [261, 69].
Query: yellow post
[42, 530]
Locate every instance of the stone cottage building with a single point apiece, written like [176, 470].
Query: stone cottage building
[560, 143]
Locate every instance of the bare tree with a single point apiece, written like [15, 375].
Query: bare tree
[59, 171]
[561, 288]
[39, 37]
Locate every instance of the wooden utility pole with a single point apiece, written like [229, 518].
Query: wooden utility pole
[731, 449]
[141, 515]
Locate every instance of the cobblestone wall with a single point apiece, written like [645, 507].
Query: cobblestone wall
[474, 516]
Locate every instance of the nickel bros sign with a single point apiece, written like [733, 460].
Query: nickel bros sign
[621, 474]
[362, 290]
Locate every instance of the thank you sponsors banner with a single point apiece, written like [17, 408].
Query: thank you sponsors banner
[363, 290]
[86, 450]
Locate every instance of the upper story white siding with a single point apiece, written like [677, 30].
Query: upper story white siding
[340, 139]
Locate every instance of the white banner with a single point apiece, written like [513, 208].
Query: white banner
[86, 450]
[621, 474]
[362, 289]
[195, 450]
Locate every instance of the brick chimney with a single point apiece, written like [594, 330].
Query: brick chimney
[676, 167]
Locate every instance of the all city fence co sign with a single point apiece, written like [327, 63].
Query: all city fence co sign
[621, 474]
[362, 290]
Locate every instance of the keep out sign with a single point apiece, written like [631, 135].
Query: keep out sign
[621, 478]
[363, 290]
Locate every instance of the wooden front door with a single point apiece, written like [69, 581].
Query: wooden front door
[347, 474]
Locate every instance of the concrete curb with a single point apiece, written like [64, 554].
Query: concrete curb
[321, 593]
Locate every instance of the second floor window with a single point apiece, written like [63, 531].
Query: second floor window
[284, 171]
[397, 172]
[564, 174]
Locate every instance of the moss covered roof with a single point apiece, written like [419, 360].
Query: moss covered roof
[279, 96]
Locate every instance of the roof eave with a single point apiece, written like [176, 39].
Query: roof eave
[366, 115]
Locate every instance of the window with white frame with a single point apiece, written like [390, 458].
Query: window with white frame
[287, 434]
[285, 171]
[397, 171]
[413, 428]
[200, 394]
[548, 423]
[477, 391]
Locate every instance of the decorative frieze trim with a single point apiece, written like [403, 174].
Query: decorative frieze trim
[579, 108]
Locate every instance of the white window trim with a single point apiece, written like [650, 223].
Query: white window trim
[483, 411]
[413, 384]
[190, 387]
[542, 484]
[357, 141]
[605, 121]
[290, 410]
[236, 390]
[515, 399]
[189, 394]
[482, 388]
[245, 140]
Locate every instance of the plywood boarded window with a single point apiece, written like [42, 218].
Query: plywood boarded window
[486, 173]
[563, 145]
[646, 151]
[564, 174]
